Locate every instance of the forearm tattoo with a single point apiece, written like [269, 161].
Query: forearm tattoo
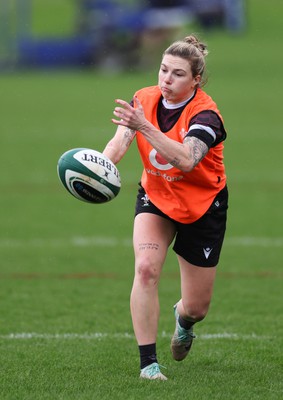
[129, 136]
[175, 162]
[197, 149]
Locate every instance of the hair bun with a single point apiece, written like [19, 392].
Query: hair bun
[193, 40]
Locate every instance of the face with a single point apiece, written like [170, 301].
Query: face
[175, 79]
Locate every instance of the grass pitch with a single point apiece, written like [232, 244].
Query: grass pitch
[67, 267]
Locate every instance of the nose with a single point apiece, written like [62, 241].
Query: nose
[167, 78]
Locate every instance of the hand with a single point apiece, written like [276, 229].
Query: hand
[130, 117]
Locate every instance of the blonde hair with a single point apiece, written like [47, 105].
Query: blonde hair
[192, 50]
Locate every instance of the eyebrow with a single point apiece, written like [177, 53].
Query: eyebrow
[176, 70]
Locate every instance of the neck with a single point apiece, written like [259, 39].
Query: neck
[176, 105]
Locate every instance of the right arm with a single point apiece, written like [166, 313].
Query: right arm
[119, 144]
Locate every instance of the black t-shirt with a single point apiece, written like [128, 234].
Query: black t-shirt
[168, 117]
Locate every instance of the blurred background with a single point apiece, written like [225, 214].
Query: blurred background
[105, 33]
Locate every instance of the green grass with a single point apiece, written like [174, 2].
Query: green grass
[54, 18]
[67, 267]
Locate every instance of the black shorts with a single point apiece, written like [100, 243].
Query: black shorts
[200, 242]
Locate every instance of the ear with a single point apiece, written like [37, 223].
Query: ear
[197, 80]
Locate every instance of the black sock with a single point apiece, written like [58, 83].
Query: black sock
[147, 354]
[184, 323]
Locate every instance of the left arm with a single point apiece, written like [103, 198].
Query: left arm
[184, 156]
[117, 147]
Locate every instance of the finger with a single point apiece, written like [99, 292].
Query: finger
[119, 122]
[123, 103]
[118, 111]
[138, 103]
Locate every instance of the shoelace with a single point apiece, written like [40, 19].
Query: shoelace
[185, 335]
[154, 369]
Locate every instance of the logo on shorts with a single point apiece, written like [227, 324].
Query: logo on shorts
[145, 201]
[207, 252]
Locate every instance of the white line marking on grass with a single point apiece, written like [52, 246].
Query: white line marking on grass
[249, 241]
[101, 241]
[111, 241]
[77, 241]
[125, 335]
[63, 336]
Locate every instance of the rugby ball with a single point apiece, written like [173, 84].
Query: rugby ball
[89, 175]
